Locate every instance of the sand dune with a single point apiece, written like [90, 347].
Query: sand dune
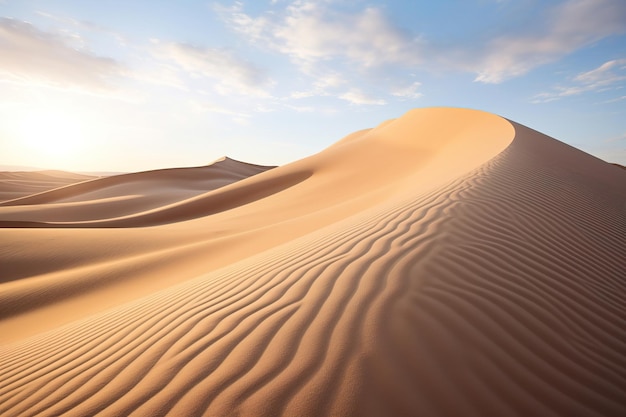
[446, 263]
[14, 185]
[123, 194]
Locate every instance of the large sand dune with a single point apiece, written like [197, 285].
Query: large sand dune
[446, 263]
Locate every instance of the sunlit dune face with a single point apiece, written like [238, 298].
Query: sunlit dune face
[52, 134]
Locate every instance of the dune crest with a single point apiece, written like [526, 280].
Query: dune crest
[449, 262]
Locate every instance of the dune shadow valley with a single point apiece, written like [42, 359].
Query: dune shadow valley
[449, 262]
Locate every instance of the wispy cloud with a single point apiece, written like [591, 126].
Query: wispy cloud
[326, 44]
[226, 72]
[322, 39]
[565, 28]
[322, 84]
[615, 100]
[607, 76]
[408, 91]
[310, 31]
[32, 56]
[82, 25]
[355, 96]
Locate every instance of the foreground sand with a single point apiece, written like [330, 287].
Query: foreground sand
[449, 262]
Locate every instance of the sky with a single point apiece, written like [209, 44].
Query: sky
[122, 85]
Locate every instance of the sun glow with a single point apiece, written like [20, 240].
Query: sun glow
[54, 135]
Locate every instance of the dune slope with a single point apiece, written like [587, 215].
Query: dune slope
[18, 184]
[123, 194]
[446, 263]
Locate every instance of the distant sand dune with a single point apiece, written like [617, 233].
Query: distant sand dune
[14, 185]
[446, 263]
[123, 194]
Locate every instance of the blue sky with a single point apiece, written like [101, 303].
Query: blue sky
[134, 85]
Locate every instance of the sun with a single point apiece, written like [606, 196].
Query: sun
[52, 134]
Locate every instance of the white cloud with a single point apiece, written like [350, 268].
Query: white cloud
[324, 82]
[227, 72]
[355, 96]
[341, 48]
[567, 27]
[407, 91]
[607, 76]
[32, 56]
[615, 100]
[83, 25]
[303, 109]
[161, 74]
[310, 31]
[335, 48]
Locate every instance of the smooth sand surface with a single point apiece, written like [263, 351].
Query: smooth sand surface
[123, 194]
[18, 184]
[445, 263]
